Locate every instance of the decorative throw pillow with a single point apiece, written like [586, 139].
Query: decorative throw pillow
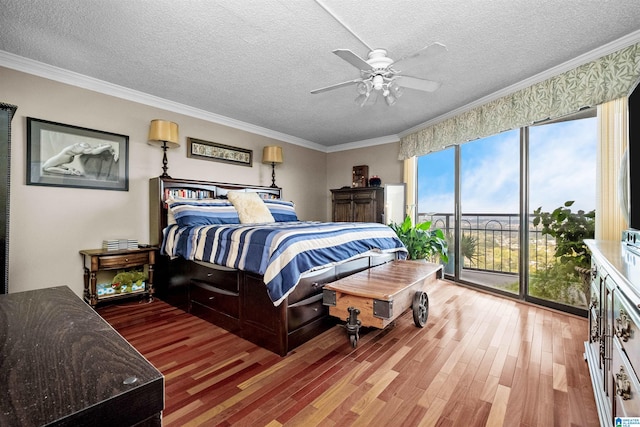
[281, 210]
[251, 209]
[194, 212]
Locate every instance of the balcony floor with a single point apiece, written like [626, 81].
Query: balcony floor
[488, 278]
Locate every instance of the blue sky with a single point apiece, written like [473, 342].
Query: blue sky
[562, 167]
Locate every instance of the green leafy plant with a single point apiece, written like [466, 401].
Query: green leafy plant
[421, 241]
[468, 246]
[569, 229]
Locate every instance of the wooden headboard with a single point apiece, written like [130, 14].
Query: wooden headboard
[161, 188]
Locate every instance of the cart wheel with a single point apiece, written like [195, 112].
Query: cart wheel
[420, 308]
[354, 340]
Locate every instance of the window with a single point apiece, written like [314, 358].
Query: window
[558, 160]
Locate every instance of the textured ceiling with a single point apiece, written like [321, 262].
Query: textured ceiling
[255, 61]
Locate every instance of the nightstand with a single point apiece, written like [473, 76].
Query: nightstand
[96, 260]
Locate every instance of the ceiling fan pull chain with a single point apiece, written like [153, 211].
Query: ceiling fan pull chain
[343, 24]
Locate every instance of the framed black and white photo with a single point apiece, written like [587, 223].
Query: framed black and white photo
[199, 149]
[63, 155]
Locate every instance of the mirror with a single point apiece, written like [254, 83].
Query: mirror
[394, 203]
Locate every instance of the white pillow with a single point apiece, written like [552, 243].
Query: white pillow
[251, 209]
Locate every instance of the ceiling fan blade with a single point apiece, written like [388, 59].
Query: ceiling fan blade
[416, 83]
[429, 52]
[336, 86]
[353, 59]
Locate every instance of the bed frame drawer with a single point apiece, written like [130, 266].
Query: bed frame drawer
[306, 311]
[220, 277]
[347, 269]
[215, 298]
[311, 285]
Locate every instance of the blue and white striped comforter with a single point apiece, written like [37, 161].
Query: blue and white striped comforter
[282, 251]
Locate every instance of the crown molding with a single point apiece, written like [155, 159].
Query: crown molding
[606, 49]
[363, 144]
[40, 69]
[61, 75]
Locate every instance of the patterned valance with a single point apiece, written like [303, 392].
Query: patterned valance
[588, 85]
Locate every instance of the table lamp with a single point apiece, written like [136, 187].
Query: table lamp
[272, 154]
[163, 133]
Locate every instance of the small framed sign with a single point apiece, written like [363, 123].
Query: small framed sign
[199, 149]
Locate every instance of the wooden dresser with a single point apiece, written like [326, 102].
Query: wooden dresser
[61, 364]
[613, 346]
[361, 204]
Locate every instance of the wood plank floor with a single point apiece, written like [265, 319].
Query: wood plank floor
[481, 360]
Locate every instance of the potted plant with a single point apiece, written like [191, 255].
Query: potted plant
[421, 241]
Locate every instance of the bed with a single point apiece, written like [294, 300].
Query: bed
[260, 277]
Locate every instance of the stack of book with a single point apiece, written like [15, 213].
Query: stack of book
[119, 244]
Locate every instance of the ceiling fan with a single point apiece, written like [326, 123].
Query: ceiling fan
[378, 74]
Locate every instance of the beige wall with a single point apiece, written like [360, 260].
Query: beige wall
[381, 159]
[50, 224]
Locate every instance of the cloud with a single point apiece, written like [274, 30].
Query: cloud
[490, 181]
[562, 167]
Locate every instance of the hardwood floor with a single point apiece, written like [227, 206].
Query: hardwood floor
[480, 360]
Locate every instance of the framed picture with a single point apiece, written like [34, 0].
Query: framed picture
[62, 155]
[206, 150]
[360, 176]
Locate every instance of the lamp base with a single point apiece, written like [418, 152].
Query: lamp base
[164, 161]
[273, 175]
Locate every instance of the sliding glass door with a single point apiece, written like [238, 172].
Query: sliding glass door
[486, 195]
[562, 171]
[436, 196]
[489, 201]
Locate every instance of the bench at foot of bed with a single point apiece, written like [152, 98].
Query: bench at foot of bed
[376, 297]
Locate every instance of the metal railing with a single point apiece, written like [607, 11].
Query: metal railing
[490, 242]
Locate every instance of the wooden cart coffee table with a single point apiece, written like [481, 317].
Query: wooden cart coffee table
[380, 294]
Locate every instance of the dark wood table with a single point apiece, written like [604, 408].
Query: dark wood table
[61, 364]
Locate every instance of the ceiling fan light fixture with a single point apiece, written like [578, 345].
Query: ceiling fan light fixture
[362, 99]
[378, 82]
[395, 89]
[362, 88]
[390, 98]
[378, 74]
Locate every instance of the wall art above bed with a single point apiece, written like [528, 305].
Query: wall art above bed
[199, 149]
[62, 155]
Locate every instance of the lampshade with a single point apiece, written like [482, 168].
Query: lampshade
[163, 131]
[272, 154]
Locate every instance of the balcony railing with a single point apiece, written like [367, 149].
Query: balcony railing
[490, 242]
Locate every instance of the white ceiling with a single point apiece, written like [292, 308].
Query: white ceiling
[252, 63]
